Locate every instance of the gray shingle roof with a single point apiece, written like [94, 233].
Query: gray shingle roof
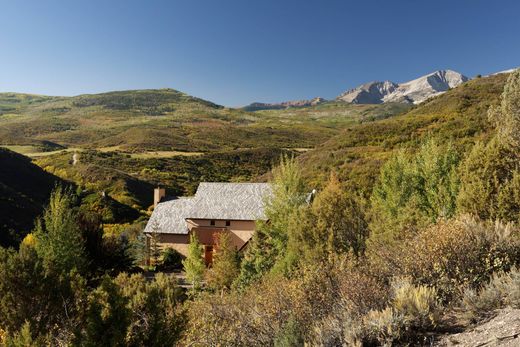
[170, 216]
[231, 201]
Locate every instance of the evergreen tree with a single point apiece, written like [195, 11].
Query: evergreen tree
[155, 250]
[24, 338]
[267, 249]
[490, 175]
[107, 317]
[194, 264]
[225, 263]
[59, 240]
[334, 223]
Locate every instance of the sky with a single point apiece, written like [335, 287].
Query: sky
[234, 52]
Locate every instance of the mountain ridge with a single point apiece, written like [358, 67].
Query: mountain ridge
[412, 92]
[257, 106]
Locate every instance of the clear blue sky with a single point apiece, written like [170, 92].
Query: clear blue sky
[234, 52]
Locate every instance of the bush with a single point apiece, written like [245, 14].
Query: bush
[502, 290]
[171, 259]
[418, 304]
[382, 327]
[451, 254]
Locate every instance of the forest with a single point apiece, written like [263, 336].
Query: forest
[430, 246]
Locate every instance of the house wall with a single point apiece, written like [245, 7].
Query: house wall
[241, 231]
[177, 242]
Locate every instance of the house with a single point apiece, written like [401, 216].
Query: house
[215, 208]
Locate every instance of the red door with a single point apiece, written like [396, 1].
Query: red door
[208, 255]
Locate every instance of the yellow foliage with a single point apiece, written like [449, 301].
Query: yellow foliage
[3, 335]
[29, 240]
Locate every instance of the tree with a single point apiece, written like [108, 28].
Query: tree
[490, 174]
[225, 263]
[414, 190]
[339, 219]
[506, 116]
[155, 250]
[59, 240]
[333, 224]
[106, 319]
[194, 264]
[267, 249]
[23, 338]
[156, 314]
[47, 301]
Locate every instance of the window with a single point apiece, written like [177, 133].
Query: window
[212, 222]
[228, 223]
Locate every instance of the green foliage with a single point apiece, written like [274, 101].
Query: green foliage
[506, 116]
[489, 182]
[156, 316]
[194, 264]
[414, 191]
[23, 338]
[290, 336]
[106, 318]
[225, 265]
[333, 224]
[171, 259]
[357, 153]
[490, 174]
[268, 245]
[30, 293]
[155, 250]
[59, 240]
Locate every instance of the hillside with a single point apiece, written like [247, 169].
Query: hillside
[153, 120]
[24, 191]
[129, 141]
[459, 115]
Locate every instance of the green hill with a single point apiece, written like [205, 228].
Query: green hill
[24, 191]
[459, 115]
[167, 120]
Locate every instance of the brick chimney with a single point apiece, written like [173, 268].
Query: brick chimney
[158, 194]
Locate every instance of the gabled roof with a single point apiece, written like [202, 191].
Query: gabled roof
[231, 201]
[169, 217]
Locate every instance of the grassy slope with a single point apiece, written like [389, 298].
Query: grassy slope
[459, 115]
[168, 120]
[24, 191]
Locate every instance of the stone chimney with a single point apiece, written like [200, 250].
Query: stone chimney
[158, 194]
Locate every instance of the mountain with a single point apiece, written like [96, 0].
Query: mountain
[257, 106]
[412, 92]
[24, 191]
[459, 115]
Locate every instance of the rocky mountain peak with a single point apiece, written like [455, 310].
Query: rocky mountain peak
[414, 91]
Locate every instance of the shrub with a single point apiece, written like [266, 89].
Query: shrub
[171, 259]
[418, 304]
[502, 290]
[451, 254]
[382, 327]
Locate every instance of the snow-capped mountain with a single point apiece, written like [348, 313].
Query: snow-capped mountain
[415, 91]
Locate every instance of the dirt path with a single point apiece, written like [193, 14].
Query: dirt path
[503, 330]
